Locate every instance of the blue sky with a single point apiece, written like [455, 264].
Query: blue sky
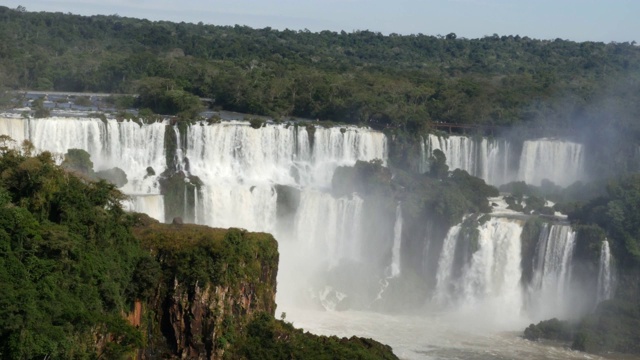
[579, 20]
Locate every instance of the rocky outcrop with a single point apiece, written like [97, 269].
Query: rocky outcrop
[215, 298]
[213, 282]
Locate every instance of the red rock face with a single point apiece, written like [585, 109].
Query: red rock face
[135, 317]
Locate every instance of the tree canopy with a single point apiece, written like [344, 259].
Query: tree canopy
[399, 82]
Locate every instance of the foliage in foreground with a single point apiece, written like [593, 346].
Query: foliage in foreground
[67, 260]
[268, 338]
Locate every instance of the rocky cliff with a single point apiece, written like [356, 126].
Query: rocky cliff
[210, 284]
[214, 298]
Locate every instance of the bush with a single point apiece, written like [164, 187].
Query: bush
[78, 160]
[256, 123]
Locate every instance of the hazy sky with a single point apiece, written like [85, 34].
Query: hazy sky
[579, 20]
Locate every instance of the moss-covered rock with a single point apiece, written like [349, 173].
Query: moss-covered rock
[552, 329]
[115, 175]
[213, 281]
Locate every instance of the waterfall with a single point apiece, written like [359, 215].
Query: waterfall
[490, 279]
[495, 161]
[551, 283]
[605, 276]
[423, 163]
[334, 147]
[444, 275]
[459, 150]
[126, 144]
[557, 160]
[486, 159]
[14, 127]
[239, 165]
[278, 153]
[179, 155]
[330, 227]
[397, 242]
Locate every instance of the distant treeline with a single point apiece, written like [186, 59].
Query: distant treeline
[395, 81]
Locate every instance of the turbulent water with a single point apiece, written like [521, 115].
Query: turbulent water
[435, 336]
[337, 252]
[498, 163]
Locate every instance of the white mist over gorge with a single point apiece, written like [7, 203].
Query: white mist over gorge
[353, 262]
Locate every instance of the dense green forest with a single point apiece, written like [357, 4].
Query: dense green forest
[394, 81]
[67, 262]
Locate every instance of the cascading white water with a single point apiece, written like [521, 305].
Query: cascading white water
[605, 276]
[179, 155]
[278, 154]
[330, 227]
[425, 153]
[394, 269]
[557, 160]
[127, 145]
[112, 144]
[239, 165]
[490, 280]
[459, 150]
[444, 282]
[551, 281]
[397, 242]
[15, 127]
[486, 159]
[335, 147]
[495, 156]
